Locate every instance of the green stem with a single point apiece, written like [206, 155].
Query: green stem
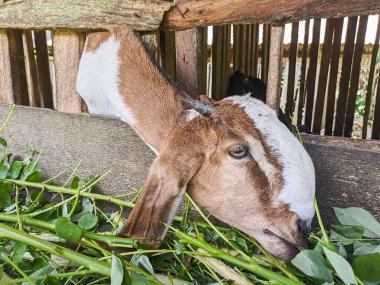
[320, 221]
[58, 275]
[19, 217]
[254, 268]
[8, 118]
[95, 265]
[18, 269]
[110, 240]
[64, 190]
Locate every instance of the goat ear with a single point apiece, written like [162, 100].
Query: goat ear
[157, 203]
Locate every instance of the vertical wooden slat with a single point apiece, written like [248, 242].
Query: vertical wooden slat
[20, 86]
[66, 62]
[217, 62]
[345, 76]
[333, 77]
[226, 60]
[301, 99]
[249, 42]
[43, 69]
[187, 61]
[355, 73]
[323, 73]
[6, 91]
[265, 47]
[31, 69]
[312, 72]
[167, 53]
[368, 97]
[292, 69]
[376, 114]
[275, 67]
[243, 49]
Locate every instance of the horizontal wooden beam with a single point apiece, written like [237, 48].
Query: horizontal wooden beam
[82, 15]
[190, 14]
[185, 14]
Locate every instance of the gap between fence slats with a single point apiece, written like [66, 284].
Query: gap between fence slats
[333, 75]
[292, 69]
[323, 74]
[312, 73]
[43, 69]
[275, 66]
[31, 70]
[302, 90]
[368, 97]
[167, 50]
[376, 114]
[355, 74]
[345, 76]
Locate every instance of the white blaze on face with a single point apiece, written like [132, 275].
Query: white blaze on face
[98, 81]
[298, 169]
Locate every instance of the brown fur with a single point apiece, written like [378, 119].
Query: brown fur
[195, 155]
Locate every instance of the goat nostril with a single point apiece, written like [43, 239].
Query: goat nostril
[304, 226]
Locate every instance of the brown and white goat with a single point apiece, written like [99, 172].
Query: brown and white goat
[234, 157]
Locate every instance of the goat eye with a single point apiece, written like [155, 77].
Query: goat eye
[238, 152]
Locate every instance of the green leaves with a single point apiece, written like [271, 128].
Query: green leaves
[341, 266]
[3, 142]
[67, 230]
[367, 267]
[117, 271]
[359, 217]
[87, 221]
[312, 264]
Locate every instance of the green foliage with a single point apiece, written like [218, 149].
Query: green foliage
[74, 224]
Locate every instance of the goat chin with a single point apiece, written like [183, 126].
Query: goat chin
[278, 246]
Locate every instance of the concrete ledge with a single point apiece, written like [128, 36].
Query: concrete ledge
[348, 171]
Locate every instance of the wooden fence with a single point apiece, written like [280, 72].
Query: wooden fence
[319, 88]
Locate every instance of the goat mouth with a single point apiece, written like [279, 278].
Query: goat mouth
[292, 248]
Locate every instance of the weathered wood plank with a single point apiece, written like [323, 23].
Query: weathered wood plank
[190, 64]
[6, 89]
[301, 99]
[355, 73]
[275, 66]
[312, 73]
[323, 73]
[167, 50]
[16, 52]
[333, 77]
[189, 14]
[76, 14]
[368, 97]
[66, 62]
[68, 138]
[345, 76]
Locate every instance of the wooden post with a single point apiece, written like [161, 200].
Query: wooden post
[275, 66]
[167, 52]
[66, 60]
[191, 46]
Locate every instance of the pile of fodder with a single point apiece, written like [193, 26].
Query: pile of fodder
[61, 240]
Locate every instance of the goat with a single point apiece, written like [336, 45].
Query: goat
[234, 157]
[241, 84]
